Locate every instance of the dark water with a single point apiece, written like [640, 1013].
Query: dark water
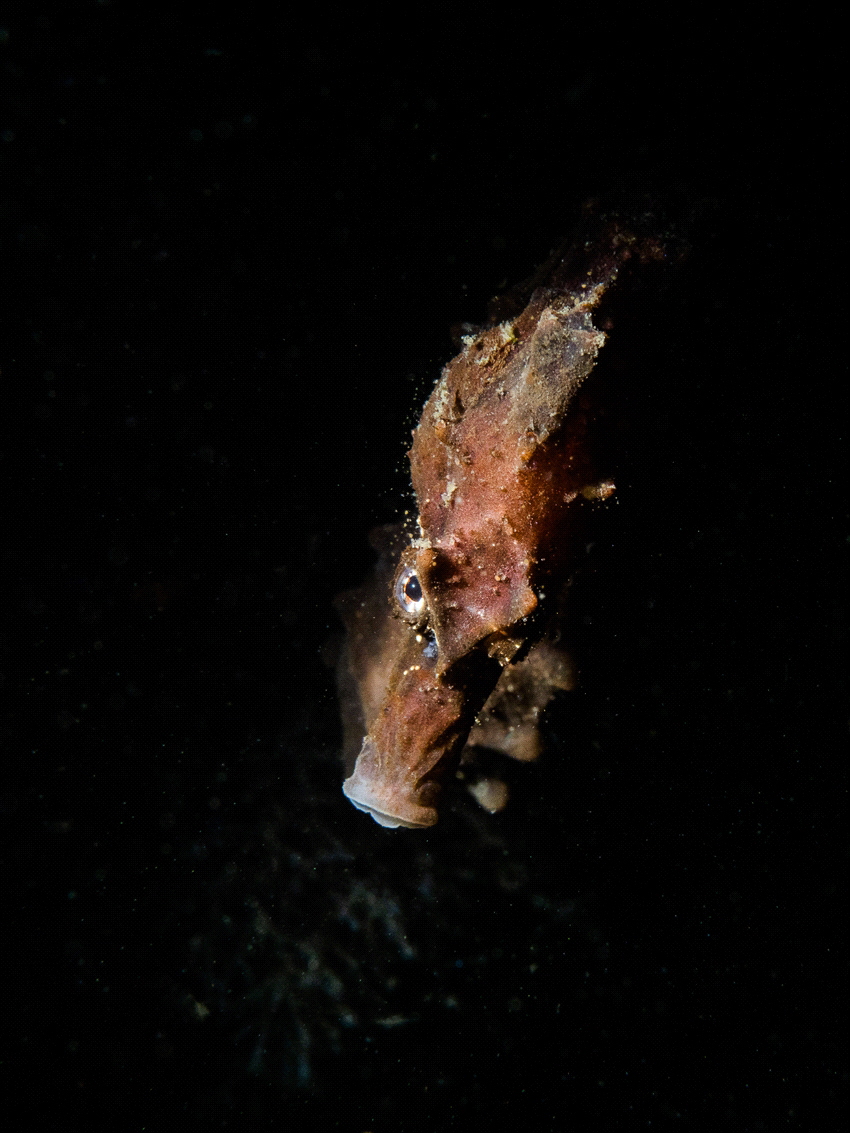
[234, 251]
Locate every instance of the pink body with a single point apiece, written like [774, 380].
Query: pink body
[500, 466]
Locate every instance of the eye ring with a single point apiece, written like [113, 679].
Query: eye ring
[408, 593]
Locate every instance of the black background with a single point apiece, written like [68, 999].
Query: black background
[234, 247]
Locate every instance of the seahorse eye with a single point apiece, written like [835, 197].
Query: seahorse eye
[408, 592]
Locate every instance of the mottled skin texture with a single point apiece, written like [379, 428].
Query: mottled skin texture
[501, 469]
[377, 645]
